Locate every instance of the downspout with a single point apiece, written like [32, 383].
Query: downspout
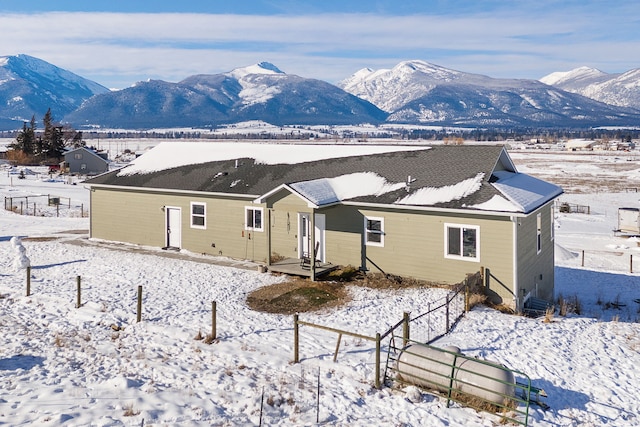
[91, 191]
[516, 285]
[312, 243]
[268, 236]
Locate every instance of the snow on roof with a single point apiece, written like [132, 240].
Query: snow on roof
[172, 154]
[525, 191]
[331, 190]
[448, 193]
[496, 203]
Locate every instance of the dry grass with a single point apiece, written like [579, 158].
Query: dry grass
[303, 295]
[130, 411]
[548, 315]
[483, 404]
[298, 295]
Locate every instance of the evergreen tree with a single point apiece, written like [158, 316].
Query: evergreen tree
[52, 142]
[77, 140]
[26, 139]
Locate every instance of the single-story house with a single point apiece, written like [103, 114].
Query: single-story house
[84, 161]
[580, 145]
[434, 213]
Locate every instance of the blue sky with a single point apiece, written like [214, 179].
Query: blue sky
[117, 43]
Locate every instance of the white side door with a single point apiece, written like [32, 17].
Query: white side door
[174, 227]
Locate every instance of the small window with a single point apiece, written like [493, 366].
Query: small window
[539, 233]
[374, 231]
[198, 215]
[462, 242]
[253, 219]
[77, 156]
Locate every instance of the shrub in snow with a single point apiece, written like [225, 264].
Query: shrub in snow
[20, 260]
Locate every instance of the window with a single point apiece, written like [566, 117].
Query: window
[83, 166]
[253, 219]
[373, 231]
[462, 242]
[539, 233]
[77, 156]
[198, 215]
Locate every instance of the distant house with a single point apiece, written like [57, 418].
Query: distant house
[433, 213]
[580, 145]
[85, 161]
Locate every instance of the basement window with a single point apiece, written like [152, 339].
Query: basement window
[462, 242]
[374, 231]
[198, 215]
[253, 219]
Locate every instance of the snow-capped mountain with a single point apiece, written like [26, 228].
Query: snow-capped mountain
[391, 89]
[413, 92]
[420, 92]
[30, 86]
[622, 89]
[257, 92]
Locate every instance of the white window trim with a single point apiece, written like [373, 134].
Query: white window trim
[366, 231]
[192, 215]
[252, 226]
[447, 255]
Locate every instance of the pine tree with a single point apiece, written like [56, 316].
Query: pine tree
[48, 134]
[26, 139]
[52, 142]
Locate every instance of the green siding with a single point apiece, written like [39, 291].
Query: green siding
[414, 241]
[137, 217]
[284, 223]
[414, 245]
[536, 270]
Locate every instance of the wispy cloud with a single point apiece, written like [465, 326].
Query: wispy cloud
[118, 49]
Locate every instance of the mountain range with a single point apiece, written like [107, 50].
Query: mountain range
[412, 92]
[29, 86]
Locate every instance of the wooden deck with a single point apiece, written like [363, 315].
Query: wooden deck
[292, 266]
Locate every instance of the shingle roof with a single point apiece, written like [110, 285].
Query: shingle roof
[437, 167]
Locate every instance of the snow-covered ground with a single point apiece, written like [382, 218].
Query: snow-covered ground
[95, 365]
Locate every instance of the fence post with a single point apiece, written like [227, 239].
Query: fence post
[34, 208]
[139, 316]
[79, 298]
[447, 313]
[378, 360]
[582, 258]
[29, 281]
[630, 263]
[335, 355]
[214, 312]
[296, 359]
[405, 329]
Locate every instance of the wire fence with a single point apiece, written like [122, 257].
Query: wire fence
[45, 205]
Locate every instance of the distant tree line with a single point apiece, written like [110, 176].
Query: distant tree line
[45, 147]
[49, 144]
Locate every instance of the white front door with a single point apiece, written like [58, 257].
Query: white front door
[173, 221]
[304, 235]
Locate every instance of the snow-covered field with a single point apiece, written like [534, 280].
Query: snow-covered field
[95, 365]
